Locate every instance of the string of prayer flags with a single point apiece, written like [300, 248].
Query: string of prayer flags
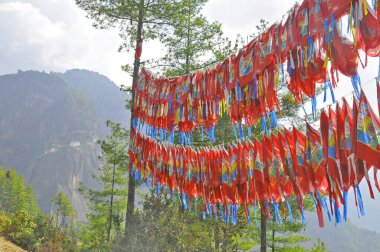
[310, 43]
[324, 165]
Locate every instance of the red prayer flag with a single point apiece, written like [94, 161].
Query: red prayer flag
[368, 132]
[315, 156]
[270, 166]
[303, 175]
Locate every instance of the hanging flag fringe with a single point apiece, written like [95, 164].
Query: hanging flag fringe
[241, 132]
[264, 125]
[277, 213]
[345, 207]
[356, 84]
[234, 130]
[255, 215]
[304, 111]
[291, 219]
[337, 212]
[249, 131]
[314, 106]
[360, 200]
[327, 208]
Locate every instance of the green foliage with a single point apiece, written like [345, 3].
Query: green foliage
[163, 229]
[160, 226]
[21, 228]
[285, 237]
[93, 238]
[63, 208]
[319, 247]
[192, 41]
[15, 196]
[124, 14]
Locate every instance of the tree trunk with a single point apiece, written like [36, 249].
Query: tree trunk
[57, 217]
[216, 236]
[263, 230]
[188, 41]
[273, 234]
[224, 242]
[181, 207]
[109, 226]
[63, 221]
[136, 67]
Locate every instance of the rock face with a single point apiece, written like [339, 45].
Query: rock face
[49, 126]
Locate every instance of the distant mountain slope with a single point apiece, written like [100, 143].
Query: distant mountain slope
[344, 237]
[370, 220]
[107, 99]
[49, 124]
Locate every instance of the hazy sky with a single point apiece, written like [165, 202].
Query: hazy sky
[55, 35]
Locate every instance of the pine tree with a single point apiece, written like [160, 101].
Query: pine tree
[106, 205]
[15, 196]
[138, 21]
[31, 201]
[319, 247]
[192, 42]
[285, 236]
[63, 208]
[3, 189]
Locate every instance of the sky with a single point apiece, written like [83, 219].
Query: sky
[55, 35]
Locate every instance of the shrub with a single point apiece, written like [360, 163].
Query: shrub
[21, 229]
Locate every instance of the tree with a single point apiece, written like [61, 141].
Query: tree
[63, 208]
[319, 247]
[285, 236]
[138, 21]
[192, 41]
[15, 196]
[161, 229]
[106, 205]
